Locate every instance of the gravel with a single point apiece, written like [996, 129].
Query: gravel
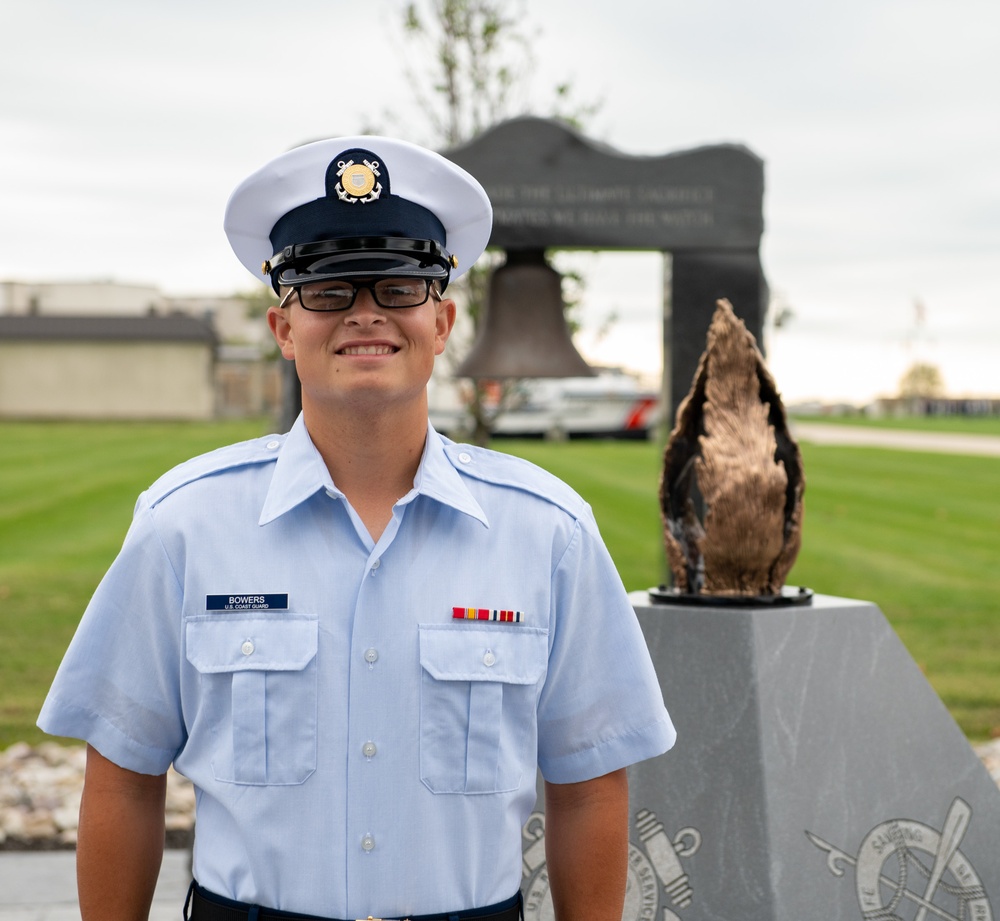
[40, 789]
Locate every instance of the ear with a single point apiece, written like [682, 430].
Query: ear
[281, 329]
[444, 323]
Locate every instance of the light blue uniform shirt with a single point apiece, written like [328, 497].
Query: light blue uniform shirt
[356, 749]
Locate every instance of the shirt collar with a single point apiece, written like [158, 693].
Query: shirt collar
[438, 479]
[300, 472]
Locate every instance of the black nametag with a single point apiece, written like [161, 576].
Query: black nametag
[246, 602]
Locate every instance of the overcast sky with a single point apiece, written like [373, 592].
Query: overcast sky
[125, 124]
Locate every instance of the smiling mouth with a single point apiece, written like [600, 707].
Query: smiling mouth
[368, 350]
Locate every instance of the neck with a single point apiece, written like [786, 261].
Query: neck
[372, 458]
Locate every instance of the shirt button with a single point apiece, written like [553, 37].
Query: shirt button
[465, 458]
[489, 659]
[371, 655]
[247, 648]
[271, 445]
[368, 750]
[368, 843]
[375, 566]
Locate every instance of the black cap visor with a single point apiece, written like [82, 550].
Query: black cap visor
[373, 257]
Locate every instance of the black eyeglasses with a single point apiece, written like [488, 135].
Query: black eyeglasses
[339, 294]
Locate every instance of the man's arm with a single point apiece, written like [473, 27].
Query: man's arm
[586, 847]
[120, 844]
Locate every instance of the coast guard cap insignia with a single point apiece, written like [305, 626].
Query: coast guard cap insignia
[358, 182]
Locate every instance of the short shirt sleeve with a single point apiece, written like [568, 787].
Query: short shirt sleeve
[118, 685]
[601, 708]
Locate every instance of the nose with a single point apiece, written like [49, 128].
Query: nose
[364, 311]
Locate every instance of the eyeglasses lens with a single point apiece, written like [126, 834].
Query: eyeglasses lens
[387, 292]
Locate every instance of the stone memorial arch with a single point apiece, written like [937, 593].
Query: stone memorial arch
[552, 188]
[817, 774]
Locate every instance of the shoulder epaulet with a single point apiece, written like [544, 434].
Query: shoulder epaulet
[256, 451]
[515, 473]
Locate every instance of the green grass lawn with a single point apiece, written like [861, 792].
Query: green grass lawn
[917, 533]
[66, 496]
[914, 532]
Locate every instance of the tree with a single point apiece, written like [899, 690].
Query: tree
[257, 300]
[922, 380]
[480, 60]
[480, 57]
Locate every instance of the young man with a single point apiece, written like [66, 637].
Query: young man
[359, 640]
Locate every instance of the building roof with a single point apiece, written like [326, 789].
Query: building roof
[49, 328]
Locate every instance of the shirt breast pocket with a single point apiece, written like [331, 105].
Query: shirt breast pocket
[478, 694]
[259, 695]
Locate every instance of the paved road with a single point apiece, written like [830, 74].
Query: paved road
[42, 886]
[938, 442]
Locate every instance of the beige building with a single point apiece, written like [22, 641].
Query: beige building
[231, 316]
[84, 298]
[113, 350]
[100, 367]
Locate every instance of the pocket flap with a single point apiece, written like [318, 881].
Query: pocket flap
[221, 644]
[512, 654]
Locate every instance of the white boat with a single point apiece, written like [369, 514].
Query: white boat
[612, 404]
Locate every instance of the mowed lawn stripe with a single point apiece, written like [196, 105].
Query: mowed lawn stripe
[915, 533]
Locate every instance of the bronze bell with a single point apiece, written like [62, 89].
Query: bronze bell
[524, 333]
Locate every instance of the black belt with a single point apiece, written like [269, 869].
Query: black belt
[202, 905]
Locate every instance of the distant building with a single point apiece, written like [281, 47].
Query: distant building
[230, 315]
[54, 367]
[84, 299]
[108, 350]
[234, 323]
[908, 407]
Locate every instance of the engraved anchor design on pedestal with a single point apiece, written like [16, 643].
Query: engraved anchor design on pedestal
[906, 863]
[652, 869]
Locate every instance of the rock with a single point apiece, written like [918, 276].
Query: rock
[67, 818]
[40, 791]
[38, 825]
[18, 751]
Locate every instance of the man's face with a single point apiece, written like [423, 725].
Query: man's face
[366, 357]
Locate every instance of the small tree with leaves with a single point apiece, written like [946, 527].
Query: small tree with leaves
[922, 380]
[475, 57]
[480, 58]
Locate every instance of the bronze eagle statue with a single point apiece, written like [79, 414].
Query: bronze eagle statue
[732, 483]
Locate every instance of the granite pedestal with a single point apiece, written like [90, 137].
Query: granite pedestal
[817, 775]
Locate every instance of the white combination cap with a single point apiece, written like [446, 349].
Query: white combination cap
[358, 206]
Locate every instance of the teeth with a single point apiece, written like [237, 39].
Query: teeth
[368, 350]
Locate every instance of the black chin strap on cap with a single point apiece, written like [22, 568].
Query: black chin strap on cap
[325, 259]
